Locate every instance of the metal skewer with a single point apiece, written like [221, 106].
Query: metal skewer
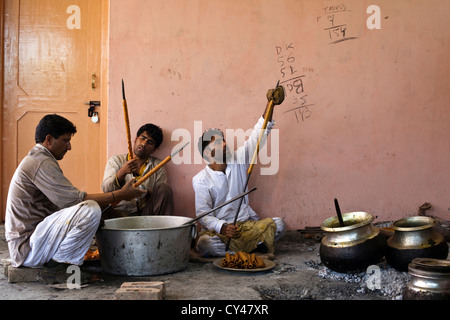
[220, 206]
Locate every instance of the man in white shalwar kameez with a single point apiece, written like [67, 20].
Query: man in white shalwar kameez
[221, 180]
[48, 220]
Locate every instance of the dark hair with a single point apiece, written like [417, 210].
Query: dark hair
[53, 125]
[206, 138]
[153, 131]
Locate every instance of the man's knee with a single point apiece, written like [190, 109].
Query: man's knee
[161, 201]
[210, 246]
[91, 210]
[204, 243]
[164, 189]
[281, 227]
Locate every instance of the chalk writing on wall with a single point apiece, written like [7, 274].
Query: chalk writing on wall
[332, 20]
[293, 79]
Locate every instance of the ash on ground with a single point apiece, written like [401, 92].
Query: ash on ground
[317, 282]
[380, 278]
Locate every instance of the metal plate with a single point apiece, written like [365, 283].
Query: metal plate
[269, 265]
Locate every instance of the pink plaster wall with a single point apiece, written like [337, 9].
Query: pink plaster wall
[370, 125]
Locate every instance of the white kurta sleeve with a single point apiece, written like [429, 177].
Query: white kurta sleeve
[245, 153]
[204, 203]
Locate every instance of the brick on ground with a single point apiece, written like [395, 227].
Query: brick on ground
[22, 274]
[141, 290]
[5, 264]
[43, 275]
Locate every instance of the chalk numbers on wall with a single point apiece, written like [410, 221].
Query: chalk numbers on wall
[293, 82]
[333, 20]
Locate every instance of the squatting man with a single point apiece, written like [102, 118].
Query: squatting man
[224, 178]
[158, 199]
[48, 220]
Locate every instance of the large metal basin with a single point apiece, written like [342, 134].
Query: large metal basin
[145, 245]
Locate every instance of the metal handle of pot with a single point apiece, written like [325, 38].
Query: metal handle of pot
[193, 231]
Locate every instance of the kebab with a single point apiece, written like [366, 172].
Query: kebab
[242, 260]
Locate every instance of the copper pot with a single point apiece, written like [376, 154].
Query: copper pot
[353, 247]
[430, 280]
[414, 237]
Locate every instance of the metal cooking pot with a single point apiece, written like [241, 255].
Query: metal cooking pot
[414, 237]
[353, 247]
[145, 245]
[430, 280]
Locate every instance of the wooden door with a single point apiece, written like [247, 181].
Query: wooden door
[53, 63]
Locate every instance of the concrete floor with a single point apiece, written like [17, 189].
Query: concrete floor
[298, 275]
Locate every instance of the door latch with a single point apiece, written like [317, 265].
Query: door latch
[92, 105]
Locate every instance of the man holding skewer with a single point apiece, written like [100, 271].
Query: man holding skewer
[223, 178]
[48, 220]
[120, 169]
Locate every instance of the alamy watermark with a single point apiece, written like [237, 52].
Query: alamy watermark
[74, 280]
[268, 154]
[373, 282]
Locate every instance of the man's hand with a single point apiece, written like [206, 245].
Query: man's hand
[129, 192]
[277, 95]
[229, 230]
[131, 166]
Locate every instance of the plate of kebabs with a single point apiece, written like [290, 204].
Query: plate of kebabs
[243, 262]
